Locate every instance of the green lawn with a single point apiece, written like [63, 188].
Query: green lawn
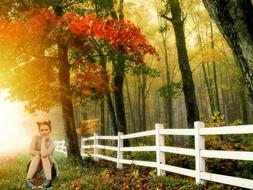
[93, 176]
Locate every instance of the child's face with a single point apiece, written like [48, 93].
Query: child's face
[44, 130]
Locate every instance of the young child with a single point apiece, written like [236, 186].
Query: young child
[41, 150]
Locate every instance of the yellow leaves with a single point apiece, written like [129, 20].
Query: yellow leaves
[88, 127]
[152, 173]
[205, 55]
[216, 120]
[105, 176]
[135, 173]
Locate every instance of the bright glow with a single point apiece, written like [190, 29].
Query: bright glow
[12, 137]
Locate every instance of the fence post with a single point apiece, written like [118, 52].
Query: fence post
[82, 145]
[199, 145]
[160, 156]
[95, 152]
[119, 153]
[62, 146]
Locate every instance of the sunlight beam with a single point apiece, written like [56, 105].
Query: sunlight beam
[12, 137]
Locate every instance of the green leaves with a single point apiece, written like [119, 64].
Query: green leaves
[174, 89]
[142, 69]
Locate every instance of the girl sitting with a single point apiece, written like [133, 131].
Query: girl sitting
[41, 150]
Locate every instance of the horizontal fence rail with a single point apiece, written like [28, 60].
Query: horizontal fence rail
[60, 147]
[199, 152]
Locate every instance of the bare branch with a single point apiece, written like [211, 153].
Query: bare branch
[167, 18]
[23, 3]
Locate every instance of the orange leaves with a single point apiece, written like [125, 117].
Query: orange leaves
[12, 31]
[129, 37]
[92, 79]
[67, 17]
[123, 36]
[125, 186]
[36, 25]
[29, 34]
[87, 26]
[41, 26]
[35, 36]
[77, 184]
[41, 22]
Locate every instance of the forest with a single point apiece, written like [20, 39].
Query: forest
[127, 65]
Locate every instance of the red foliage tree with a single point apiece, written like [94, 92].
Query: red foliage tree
[34, 38]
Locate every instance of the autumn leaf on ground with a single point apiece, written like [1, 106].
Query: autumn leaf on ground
[105, 175]
[77, 184]
[125, 186]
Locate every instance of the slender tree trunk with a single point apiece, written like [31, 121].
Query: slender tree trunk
[102, 117]
[112, 113]
[143, 102]
[167, 100]
[207, 78]
[210, 81]
[84, 115]
[223, 106]
[244, 107]
[210, 95]
[130, 105]
[121, 12]
[77, 115]
[217, 102]
[157, 109]
[67, 105]
[188, 85]
[102, 121]
[139, 112]
[149, 117]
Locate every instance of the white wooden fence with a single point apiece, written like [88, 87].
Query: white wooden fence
[61, 147]
[199, 132]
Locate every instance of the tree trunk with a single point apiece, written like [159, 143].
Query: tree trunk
[188, 85]
[67, 105]
[143, 102]
[130, 105]
[112, 113]
[118, 96]
[157, 109]
[217, 102]
[139, 113]
[234, 19]
[119, 69]
[102, 117]
[167, 100]
[244, 108]
[207, 75]
[209, 90]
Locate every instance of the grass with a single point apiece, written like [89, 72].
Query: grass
[96, 176]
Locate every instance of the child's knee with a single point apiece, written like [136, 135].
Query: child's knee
[37, 156]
